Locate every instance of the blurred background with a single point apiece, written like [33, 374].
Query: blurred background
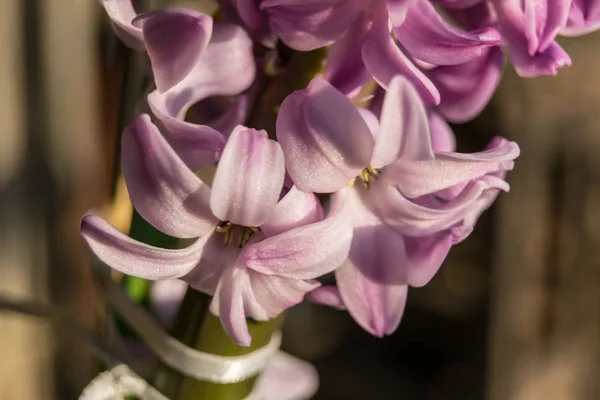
[514, 314]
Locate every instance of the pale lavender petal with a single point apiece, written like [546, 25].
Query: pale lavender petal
[287, 378]
[467, 88]
[215, 257]
[442, 136]
[397, 10]
[276, 294]
[372, 121]
[165, 298]
[249, 178]
[131, 257]
[418, 178]
[345, 68]
[428, 37]
[309, 24]
[297, 208]
[425, 255]
[121, 14]
[327, 295]
[404, 129]
[306, 252]
[162, 188]
[373, 282]
[174, 40]
[411, 218]
[235, 115]
[584, 17]
[324, 138]
[384, 60]
[228, 303]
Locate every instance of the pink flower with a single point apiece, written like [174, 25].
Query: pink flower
[239, 222]
[408, 203]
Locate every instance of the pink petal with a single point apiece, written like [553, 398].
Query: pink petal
[467, 88]
[174, 40]
[249, 178]
[418, 178]
[215, 257]
[297, 208]
[426, 254]
[428, 37]
[442, 136]
[228, 304]
[404, 130]
[329, 296]
[584, 18]
[372, 282]
[307, 25]
[135, 258]
[345, 68]
[287, 378]
[324, 138]
[165, 298]
[276, 294]
[121, 14]
[384, 60]
[306, 252]
[162, 188]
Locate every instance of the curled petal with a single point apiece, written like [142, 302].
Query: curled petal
[384, 60]
[404, 131]
[324, 138]
[309, 24]
[418, 178]
[174, 40]
[372, 282]
[249, 178]
[584, 17]
[327, 295]
[306, 252]
[467, 88]
[425, 255]
[135, 258]
[428, 37]
[345, 68]
[297, 208]
[121, 14]
[162, 188]
[276, 294]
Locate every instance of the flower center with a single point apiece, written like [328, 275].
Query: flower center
[244, 233]
[367, 175]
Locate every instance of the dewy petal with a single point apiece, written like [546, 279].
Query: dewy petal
[428, 37]
[467, 88]
[404, 130]
[135, 258]
[276, 294]
[584, 17]
[384, 60]
[418, 178]
[162, 188]
[228, 303]
[324, 138]
[309, 24]
[372, 282]
[345, 68]
[249, 178]
[306, 252]
[297, 208]
[121, 14]
[215, 257]
[174, 40]
[327, 295]
[425, 255]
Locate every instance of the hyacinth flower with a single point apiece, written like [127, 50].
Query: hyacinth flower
[584, 17]
[408, 203]
[239, 222]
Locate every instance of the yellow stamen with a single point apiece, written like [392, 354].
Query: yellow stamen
[244, 232]
[366, 176]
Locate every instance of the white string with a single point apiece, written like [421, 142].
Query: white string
[120, 381]
[189, 362]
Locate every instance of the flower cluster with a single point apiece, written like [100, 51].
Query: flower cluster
[376, 194]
